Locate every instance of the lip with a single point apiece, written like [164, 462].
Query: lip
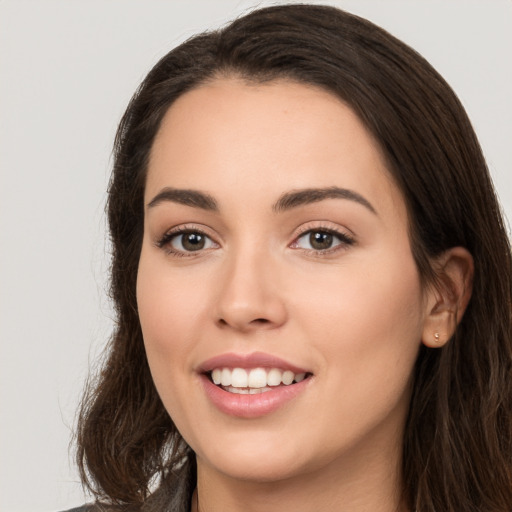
[248, 361]
[250, 406]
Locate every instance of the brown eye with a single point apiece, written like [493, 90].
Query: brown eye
[193, 241]
[190, 241]
[320, 240]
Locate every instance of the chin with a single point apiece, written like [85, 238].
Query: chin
[261, 469]
[259, 457]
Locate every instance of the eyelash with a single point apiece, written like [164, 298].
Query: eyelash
[345, 240]
[164, 242]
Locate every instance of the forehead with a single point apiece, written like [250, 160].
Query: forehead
[231, 136]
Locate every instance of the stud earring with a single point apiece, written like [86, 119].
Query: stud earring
[436, 337]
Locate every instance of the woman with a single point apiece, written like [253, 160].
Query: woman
[312, 281]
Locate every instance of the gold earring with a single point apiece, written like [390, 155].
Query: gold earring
[436, 337]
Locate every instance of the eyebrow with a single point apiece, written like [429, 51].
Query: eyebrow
[296, 198]
[288, 201]
[193, 198]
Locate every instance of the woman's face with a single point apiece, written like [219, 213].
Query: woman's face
[276, 250]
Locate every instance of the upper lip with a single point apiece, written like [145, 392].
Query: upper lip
[252, 360]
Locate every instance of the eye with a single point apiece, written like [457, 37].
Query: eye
[186, 241]
[191, 241]
[321, 240]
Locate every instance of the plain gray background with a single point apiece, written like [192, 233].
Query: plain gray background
[67, 71]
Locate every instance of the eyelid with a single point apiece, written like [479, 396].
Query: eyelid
[164, 240]
[324, 225]
[346, 236]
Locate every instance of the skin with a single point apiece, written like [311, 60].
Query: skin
[354, 315]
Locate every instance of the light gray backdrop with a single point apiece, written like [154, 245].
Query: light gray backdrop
[67, 71]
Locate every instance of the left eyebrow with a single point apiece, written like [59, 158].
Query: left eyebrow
[296, 198]
[192, 198]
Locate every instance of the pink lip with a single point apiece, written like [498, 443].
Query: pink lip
[250, 406]
[253, 360]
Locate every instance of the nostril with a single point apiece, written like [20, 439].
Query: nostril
[257, 321]
[251, 324]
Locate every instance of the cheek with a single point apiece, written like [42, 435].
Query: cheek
[378, 294]
[167, 303]
[367, 325]
[168, 313]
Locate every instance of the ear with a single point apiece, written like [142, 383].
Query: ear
[448, 297]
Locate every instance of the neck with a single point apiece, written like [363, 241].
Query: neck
[369, 482]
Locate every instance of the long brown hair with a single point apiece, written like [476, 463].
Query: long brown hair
[457, 451]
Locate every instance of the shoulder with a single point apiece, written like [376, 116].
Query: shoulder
[174, 494]
[83, 508]
[98, 507]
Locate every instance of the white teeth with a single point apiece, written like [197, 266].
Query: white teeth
[274, 377]
[288, 377]
[225, 378]
[217, 376]
[247, 391]
[253, 380]
[239, 378]
[257, 378]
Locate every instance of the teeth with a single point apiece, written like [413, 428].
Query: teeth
[255, 380]
[217, 376]
[288, 377]
[225, 377]
[239, 378]
[247, 391]
[274, 377]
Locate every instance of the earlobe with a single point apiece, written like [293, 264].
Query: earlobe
[448, 297]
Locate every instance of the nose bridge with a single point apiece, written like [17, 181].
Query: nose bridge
[249, 296]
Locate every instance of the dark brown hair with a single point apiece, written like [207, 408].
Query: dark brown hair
[457, 452]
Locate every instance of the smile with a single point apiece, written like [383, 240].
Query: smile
[250, 386]
[254, 381]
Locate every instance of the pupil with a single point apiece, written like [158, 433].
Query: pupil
[193, 241]
[320, 240]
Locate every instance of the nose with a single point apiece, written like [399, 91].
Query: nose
[250, 297]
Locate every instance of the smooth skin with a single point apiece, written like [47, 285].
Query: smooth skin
[352, 311]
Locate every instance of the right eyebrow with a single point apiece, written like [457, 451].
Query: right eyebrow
[296, 198]
[193, 198]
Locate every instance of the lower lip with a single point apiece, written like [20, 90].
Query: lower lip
[252, 406]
